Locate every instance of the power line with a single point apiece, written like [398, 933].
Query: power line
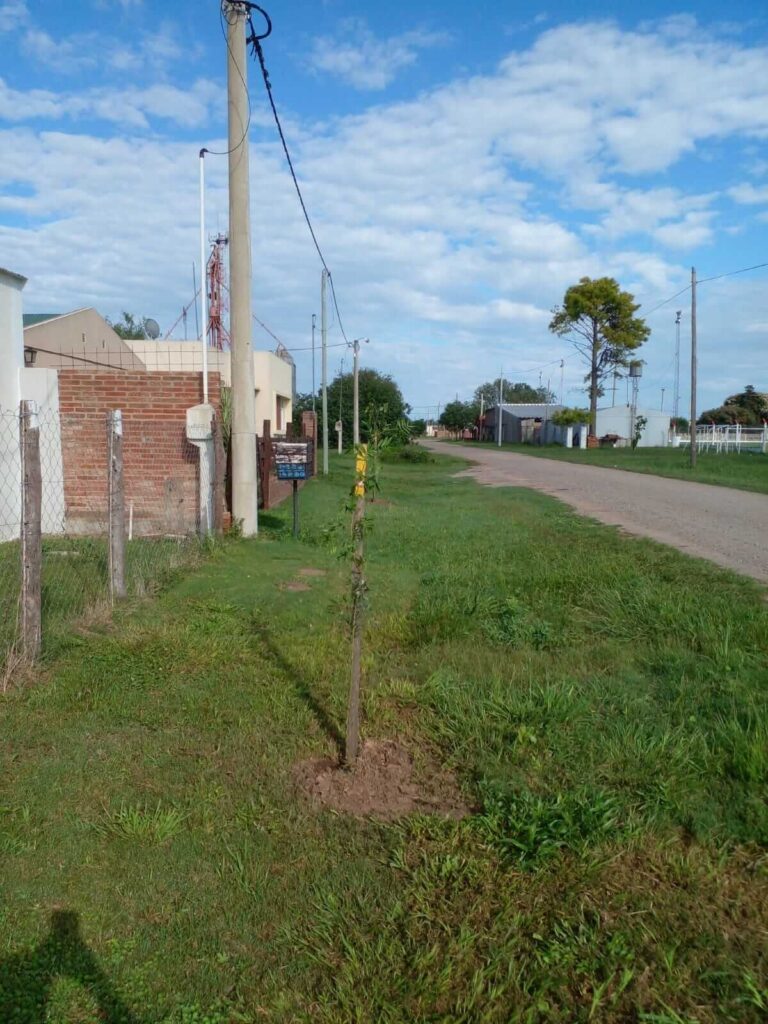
[704, 280]
[255, 41]
[670, 299]
[732, 273]
[226, 152]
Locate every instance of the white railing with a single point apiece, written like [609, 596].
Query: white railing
[728, 437]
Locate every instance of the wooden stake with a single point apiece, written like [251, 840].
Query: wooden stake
[31, 532]
[358, 608]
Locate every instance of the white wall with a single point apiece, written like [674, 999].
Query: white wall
[42, 387]
[618, 420]
[11, 363]
[11, 339]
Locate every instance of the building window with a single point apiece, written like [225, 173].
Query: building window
[278, 413]
[30, 356]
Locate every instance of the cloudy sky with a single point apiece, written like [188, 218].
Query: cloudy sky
[463, 164]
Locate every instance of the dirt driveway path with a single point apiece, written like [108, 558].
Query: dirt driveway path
[726, 526]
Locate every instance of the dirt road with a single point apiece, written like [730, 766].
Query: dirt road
[726, 526]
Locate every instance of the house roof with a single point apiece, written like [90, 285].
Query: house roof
[529, 410]
[30, 319]
[33, 319]
[13, 275]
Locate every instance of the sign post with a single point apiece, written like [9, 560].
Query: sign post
[292, 462]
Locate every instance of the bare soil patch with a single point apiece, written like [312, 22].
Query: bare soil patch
[294, 585]
[382, 785]
[311, 572]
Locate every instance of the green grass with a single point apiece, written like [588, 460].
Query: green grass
[746, 471]
[602, 701]
[75, 580]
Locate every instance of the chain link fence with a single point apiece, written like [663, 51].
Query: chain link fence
[93, 507]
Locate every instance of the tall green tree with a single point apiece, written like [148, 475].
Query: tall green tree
[511, 392]
[377, 390]
[458, 415]
[599, 320]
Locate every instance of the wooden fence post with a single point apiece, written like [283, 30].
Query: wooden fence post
[31, 532]
[116, 502]
[266, 463]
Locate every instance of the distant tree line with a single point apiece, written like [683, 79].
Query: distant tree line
[749, 408]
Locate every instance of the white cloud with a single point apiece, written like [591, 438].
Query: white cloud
[693, 230]
[130, 107]
[452, 222]
[749, 194]
[13, 14]
[358, 57]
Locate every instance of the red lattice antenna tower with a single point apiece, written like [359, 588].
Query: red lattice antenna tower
[218, 335]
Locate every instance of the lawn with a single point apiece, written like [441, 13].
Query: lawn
[746, 471]
[602, 701]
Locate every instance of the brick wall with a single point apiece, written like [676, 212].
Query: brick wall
[160, 465]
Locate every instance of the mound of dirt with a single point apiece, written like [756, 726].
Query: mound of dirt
[294, 585]
[310, 571]
[382, 785]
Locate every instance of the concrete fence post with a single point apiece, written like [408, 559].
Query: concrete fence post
[309, 431]
[116, 504]
[219, 475]
[31, 532]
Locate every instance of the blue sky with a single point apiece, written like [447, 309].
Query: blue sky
[463, 165]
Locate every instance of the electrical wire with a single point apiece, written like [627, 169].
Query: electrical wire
[670, 299]
[226, 152]
[732, 273]
[255, 41]
[270, 332]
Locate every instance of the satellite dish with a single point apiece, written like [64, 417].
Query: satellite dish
[152, 327]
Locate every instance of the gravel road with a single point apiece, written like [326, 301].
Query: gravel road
[726, 526]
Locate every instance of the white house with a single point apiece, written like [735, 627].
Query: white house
[617, 420]
[20, 381]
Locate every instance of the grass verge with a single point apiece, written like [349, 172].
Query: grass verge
[745, 471]
[602, 700]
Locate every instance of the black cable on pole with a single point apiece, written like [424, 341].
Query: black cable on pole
[254, 40]
[226, 152]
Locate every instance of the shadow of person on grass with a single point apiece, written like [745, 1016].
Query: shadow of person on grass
[26, 979]
[302, 687]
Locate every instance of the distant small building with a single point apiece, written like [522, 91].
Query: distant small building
[521, 422]
[617, 421]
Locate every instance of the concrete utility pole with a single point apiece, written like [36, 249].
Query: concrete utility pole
[562, 382]
[693, 367]
[340, 430]
[244, 472]
[356, 391]
[324, 364]
[314, 319]
[676, 395]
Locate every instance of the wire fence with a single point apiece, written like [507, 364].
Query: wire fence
[164, 511]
